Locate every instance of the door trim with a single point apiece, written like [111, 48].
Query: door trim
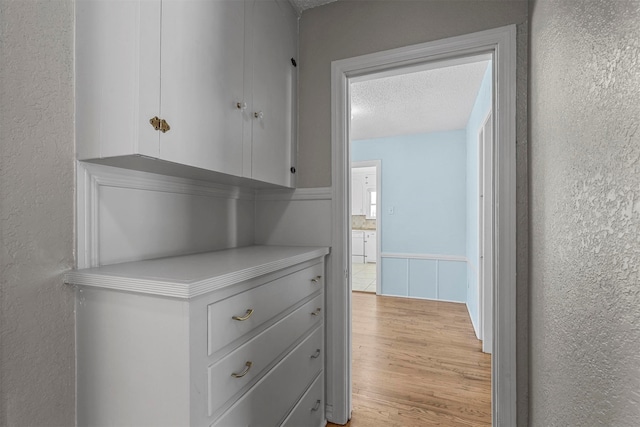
[500, 43]
[485, 233]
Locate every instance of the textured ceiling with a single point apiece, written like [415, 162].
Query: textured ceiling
[300, 5]
[434, 100]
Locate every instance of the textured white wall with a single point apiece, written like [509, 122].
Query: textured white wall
[585, 213]
[37, 367]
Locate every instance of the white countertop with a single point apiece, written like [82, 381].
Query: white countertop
[189, 276]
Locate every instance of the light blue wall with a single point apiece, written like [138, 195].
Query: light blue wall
[424, 182]
[479, 113]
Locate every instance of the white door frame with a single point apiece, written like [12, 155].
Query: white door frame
[378, 165]
[485, 232]
[481, 238]
[501, 44]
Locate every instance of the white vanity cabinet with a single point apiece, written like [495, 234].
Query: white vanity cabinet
[204, 89]
[205, 339]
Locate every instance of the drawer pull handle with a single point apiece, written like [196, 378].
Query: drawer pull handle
[316, 354]
[317, 312]
[317, 279]
[243, 373]
[316, 406]
[245, 317]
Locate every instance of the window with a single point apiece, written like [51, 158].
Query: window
[371, 204]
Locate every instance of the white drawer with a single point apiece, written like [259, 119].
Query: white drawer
[261, 352]
[309, 412]
[265, 302]
[272, 398]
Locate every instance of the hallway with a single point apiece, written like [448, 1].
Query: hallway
[417, 363]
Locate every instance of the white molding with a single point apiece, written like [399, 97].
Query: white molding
[425, 257]
[423, 298]
[472, 266]
[485, 242]
[503, 375]
[91, 177]
[422, 66]
[87, 219]
[328, 413]
[430, 257]
[109, 176]
[322, 193]
[501, 43]
[338, 352]
[476, 329]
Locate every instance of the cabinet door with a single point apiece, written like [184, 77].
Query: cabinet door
[274, 44]
[117, 77]
[202, 75]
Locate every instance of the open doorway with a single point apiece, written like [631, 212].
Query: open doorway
[500, 44]
[422, 123]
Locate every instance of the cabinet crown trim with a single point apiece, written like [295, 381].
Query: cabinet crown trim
[322, 193]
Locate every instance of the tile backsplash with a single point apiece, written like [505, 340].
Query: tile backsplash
[360, 222]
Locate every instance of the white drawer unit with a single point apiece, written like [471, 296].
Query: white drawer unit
[233, 337]
[308, 410]
[269, 402]
[231, 318]
[237, 370]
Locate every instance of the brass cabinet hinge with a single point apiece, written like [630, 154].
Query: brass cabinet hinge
[160, 124]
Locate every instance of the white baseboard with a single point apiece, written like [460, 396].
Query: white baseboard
[476, 329]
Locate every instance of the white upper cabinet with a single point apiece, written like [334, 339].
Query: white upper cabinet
[215, 76]
[202, 65]
[117, 78]
[274, 55]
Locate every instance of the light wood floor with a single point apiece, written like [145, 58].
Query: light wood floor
[417, 363]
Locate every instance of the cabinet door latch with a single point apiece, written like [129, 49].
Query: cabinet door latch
[160, 124]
